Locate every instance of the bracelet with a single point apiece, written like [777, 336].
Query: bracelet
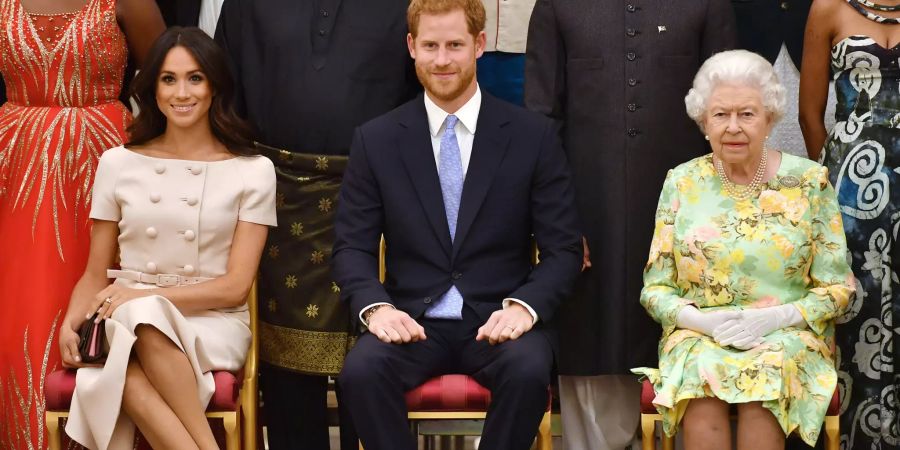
[370, 311]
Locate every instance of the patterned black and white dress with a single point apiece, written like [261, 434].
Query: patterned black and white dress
[862, 153]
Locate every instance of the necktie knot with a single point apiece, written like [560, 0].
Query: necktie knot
[451, 124]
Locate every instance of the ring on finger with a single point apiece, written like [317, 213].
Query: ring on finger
[108, 300]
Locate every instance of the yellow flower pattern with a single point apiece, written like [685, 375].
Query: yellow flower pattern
[708, 250]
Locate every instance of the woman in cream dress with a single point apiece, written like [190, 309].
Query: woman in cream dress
[186, 208]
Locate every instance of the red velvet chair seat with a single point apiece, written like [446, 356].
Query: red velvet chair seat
[648, 394]
[60, 386]
[449, 393]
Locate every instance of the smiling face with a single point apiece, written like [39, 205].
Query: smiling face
[737, 123]
[183, 93]
[445, 54]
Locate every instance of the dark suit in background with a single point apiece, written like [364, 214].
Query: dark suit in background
[762, 26]
[614, 73]
[308, 72]
[183, 13]
[517, 185]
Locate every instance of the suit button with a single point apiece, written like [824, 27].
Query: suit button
[192, 201]
[155, 197]
[630, 8]
[151, 232]
[321, 32]
[632, 82]
[189, 235]
[785, 6]
[159, 168]
[324, 13]
[427, 300]
[632, 132]
[630, 32]
[188, 269]
[456, 275]
[151, 267]
[196, 170]
[630, 56]
[632, 107]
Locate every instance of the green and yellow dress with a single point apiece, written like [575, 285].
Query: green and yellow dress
[711, 251]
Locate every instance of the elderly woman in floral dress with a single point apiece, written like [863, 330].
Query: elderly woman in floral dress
[746, 274]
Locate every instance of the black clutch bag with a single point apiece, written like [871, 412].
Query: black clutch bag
[91, 344]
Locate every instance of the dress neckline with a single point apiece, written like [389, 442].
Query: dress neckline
[874, 42]
[157, 158]
[27, 16]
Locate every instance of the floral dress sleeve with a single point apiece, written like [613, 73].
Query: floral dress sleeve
[661, 295]
[831, 282]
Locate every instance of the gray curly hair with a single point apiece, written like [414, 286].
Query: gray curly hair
[735, 67]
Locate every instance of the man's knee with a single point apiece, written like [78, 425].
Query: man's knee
[363, 366]
[527, 366]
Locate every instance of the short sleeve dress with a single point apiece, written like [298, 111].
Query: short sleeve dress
[175, 217]
[786, 246]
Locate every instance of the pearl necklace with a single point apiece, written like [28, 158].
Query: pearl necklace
[743, 193]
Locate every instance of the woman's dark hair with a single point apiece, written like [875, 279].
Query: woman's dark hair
[227, 126]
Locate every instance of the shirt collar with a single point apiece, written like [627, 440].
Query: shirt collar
[467, 114]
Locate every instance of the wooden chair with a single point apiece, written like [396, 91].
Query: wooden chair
[649, 417]
[455, 396]
[234, 400]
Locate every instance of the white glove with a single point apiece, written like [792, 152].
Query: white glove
[756, 323]
[692, 319]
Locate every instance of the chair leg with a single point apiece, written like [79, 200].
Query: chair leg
[648, 435]
[54, 440]
[249, 406]
[832, 433]
[232, 432]
[668, 442]
[544, 436]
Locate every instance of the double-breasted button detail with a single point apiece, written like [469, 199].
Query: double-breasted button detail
[189, 235]
[155, 197]
[188, 269]
[192, 200]
[632, 132]
[427, 300]
[631, 107]
[631, 32]
[630, 8]
[196, 170]
[632, 82]
[631, 56]
[151, 267]
[151, 232]
[159, 168]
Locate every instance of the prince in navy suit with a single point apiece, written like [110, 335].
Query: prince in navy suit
[460, 184]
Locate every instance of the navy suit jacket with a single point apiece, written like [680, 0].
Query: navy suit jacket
[517, 189]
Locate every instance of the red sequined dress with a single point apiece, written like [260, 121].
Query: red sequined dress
[63, 75]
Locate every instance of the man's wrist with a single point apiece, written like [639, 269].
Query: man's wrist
[370, 311]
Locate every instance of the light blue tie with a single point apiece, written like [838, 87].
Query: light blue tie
[450, 172]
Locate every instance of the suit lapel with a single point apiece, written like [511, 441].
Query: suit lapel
[489, 147]
[418, 158]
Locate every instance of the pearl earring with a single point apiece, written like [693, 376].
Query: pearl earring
[706, 137]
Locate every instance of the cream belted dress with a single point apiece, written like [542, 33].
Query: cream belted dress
[176, 222]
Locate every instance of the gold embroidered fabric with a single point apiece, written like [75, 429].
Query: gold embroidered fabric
[304, 325]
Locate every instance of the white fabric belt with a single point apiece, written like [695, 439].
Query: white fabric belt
[161, 279]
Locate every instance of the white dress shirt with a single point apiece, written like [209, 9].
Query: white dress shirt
[465, 136]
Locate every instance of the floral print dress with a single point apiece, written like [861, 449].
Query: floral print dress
[708, 250]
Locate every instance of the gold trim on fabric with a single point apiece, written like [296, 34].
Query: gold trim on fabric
[313, 352]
